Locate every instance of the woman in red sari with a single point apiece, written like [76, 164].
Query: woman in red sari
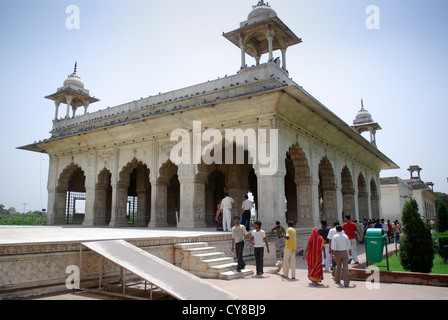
[313, 255]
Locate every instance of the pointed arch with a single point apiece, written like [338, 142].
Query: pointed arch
[348, 193]
[133, 195]
[70, 191]
[374, 199]
[363, 206]
[327, 191]
[298, 190]
[103, 198]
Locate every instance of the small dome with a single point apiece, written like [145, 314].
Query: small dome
[262, 11]
[363, 116]
[74, 80]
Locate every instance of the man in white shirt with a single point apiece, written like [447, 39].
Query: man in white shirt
[259, 238]
[226, 206]
[330, 236]
[385, 227]
[238, 234]
[341, 248]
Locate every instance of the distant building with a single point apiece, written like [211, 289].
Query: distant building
[395, 192]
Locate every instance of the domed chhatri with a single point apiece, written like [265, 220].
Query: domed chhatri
[263, 32]
[262, 11]
[73, 94]
[364, 122]
[74, 79]
[363, 116]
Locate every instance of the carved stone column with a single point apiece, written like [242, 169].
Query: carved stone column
[305, 216]
[330, 206]
[100, 205]
[192, 180]
[363, 206]
[119, 206]
[271, 199]
[159, 204]
[375, 203]
[142, 190]
[89, 218]
[348, 200]
[59, 207]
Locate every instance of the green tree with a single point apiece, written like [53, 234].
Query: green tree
[416, 247]
[443, 197]
[442, 217]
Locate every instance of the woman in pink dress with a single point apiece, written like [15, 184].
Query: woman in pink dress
[218, 218]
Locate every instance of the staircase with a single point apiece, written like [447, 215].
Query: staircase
[206, 262]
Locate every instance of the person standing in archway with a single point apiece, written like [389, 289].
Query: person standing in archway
[246, 206]
[218, 218]
[226, 206]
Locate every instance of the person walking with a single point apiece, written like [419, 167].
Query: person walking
[341, 249]
[279, 231]
[313, 256]
[247, 205]
[226, 206]
[330, 236]
[390, 232]
[350, 228]
[259, 238]
[238, 234]
[323, 232]
[397, 231]
[289, 259]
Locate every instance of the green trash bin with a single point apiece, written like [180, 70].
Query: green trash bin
[374, 240]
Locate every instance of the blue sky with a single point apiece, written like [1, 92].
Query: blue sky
[131, 49]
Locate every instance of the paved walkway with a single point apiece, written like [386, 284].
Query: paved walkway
[267, 287]
[274, 287]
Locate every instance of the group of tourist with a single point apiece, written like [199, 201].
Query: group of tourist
[341, 240]
[223, 213]
[392, 230]
[328, 249]
[332, 249]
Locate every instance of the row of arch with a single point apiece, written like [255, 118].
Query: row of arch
[172, 201]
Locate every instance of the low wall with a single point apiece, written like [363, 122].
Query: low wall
[37, 268]
[415, 278]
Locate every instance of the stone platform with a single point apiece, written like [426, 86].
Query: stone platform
[34, 259]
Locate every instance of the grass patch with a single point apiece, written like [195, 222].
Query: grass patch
[439, 267]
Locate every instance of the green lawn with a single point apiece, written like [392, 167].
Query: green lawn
[439, 266]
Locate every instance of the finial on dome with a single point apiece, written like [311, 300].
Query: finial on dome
[76, 67]
[261, 4]
[362, 105]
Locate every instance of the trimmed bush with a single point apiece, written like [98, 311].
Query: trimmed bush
[442, 240]
[416, 245]
[442, 217]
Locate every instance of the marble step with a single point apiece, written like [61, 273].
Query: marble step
[233, 274]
